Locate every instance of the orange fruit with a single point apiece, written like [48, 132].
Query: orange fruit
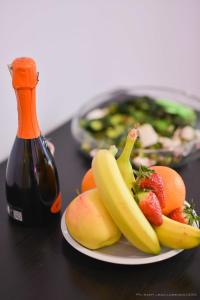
[88, 181]
[174, 188]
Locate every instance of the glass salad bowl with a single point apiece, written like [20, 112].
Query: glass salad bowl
[168, 122]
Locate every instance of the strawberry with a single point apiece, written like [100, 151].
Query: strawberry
[150, 206]
[185, 214]
[178, 215]
[147, 178]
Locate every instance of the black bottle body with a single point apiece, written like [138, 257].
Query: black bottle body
[32, 185]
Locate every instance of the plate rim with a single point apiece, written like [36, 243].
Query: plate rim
[108, 258]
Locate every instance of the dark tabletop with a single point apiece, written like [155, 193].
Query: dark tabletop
[37, 263]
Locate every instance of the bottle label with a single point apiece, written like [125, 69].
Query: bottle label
[15, 213]
[56, 206]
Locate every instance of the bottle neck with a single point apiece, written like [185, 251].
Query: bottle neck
[28, 127]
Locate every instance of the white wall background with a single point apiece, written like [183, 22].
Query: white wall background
[83, 47]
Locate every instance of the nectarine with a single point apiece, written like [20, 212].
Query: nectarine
[89, 223]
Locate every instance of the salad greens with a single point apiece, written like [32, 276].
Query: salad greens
[163, 118]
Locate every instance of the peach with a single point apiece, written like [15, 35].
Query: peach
[89, 223]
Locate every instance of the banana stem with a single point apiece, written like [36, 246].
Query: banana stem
[130, 141]
[123, 161]
[126, 153]
[113, 150]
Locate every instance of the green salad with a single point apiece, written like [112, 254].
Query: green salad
[165, 128]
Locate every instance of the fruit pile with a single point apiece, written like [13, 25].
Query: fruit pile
[147, 206]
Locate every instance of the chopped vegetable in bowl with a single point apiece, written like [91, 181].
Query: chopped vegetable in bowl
[167, 129]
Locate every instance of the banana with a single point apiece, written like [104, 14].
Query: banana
[123, 161]
[176, 235]
[121, 205]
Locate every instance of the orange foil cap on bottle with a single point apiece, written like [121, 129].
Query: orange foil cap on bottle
[24, 80]
[24, 74]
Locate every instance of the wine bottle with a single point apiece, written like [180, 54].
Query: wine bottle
[32, 185]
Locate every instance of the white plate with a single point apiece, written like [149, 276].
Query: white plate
[120, 253]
